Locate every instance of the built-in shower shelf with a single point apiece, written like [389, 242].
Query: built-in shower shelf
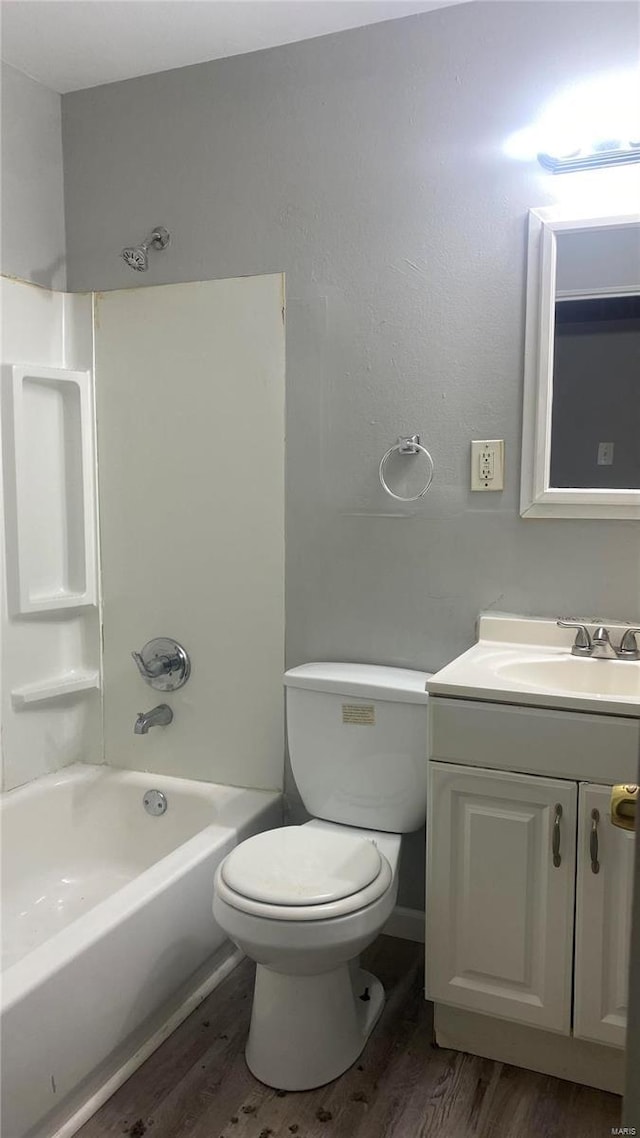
[50, 492]
[58, 687]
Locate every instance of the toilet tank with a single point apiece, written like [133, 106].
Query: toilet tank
[357, 738]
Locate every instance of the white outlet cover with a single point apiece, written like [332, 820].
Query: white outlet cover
[485, 455]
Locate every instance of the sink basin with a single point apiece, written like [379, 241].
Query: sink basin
[569, 673]
[528, 661]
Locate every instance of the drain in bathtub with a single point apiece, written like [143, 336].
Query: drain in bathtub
[155, 802]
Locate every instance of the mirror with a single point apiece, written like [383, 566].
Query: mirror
[581, 421]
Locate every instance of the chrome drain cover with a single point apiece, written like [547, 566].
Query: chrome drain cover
[155, 802]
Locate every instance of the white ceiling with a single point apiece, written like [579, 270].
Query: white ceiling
[71, 44]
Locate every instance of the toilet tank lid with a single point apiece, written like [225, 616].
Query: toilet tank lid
[364, 681]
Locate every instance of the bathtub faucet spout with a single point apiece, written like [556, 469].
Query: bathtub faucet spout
[159, 716]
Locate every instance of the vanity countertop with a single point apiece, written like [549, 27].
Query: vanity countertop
[528, 661]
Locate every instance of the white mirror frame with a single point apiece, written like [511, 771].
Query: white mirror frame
[537, 498]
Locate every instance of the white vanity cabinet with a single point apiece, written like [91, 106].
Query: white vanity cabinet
[511, 858]
[527, 953]
[500, 900]
[605, 857]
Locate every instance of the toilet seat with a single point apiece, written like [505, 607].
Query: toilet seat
[297, 873]
[300, 865]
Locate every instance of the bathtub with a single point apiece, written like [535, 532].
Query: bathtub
[108, 937]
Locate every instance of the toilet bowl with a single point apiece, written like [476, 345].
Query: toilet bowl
[304, 901]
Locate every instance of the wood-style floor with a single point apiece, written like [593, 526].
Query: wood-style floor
[197, 1084]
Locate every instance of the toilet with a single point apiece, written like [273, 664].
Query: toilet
[304, 901]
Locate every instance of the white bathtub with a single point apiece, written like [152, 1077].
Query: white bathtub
[108, 932]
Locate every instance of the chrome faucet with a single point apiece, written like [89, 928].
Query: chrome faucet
[629, 648]
[599, 646]
[159, 716]
[582, 643]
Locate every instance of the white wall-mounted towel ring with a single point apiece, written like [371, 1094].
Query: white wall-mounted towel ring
[409, 444]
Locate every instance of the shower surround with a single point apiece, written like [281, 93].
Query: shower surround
[49, 638]
[107, 915]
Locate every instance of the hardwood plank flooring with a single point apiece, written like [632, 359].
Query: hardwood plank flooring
[197, 1085]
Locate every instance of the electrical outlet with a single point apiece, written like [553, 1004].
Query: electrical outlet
[605, 454]
[487, 464]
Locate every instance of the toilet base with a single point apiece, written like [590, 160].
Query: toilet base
[307, 1030]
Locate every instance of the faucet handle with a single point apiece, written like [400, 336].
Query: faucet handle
[582, 642]
[629, 649]
[163, 663]
[149, 670]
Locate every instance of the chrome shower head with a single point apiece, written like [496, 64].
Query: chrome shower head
[136, 256]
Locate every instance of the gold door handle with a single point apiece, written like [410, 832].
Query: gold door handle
[624, 799]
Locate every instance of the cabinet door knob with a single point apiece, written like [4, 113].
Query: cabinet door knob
[624, 800]
[555, 841]
[593, 841]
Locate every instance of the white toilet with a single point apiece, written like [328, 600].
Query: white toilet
[304, 901]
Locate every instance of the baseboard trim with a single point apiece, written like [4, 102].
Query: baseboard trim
[406, 924]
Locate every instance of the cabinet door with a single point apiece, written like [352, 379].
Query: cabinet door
[603, 921]
[499, 910]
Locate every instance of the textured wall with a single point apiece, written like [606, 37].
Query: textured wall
[369, 166]
[32, 207]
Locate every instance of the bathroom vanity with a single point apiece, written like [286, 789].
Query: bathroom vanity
[529, 885]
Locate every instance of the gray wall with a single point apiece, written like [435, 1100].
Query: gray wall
[369, 166]
[32, 206]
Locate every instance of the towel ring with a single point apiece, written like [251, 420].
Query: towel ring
[407, 445]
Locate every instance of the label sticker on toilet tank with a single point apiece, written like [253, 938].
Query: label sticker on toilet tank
[362, 714]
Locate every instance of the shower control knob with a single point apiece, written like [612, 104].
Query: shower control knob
[163, 663]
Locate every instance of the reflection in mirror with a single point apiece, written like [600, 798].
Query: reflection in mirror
[595, 419]
[595, 424]
[581, 442]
